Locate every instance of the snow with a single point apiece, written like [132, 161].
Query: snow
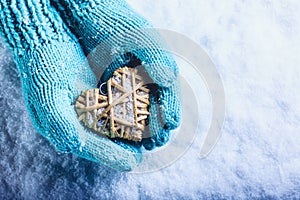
[255, 47]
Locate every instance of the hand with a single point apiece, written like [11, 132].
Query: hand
[54, 71]
[118, 34]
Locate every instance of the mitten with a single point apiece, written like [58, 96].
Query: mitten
[120, 34]
[54, 70]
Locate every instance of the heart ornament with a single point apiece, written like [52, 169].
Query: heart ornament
[122, 112]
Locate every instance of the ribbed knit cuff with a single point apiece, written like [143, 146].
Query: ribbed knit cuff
[30, 23]
[95, 21]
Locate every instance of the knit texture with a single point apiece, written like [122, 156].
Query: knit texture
[113, 29]
[53, 71]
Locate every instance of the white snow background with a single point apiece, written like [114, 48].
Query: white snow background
[255, 45]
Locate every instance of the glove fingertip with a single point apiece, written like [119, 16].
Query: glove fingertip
[172, 120]
[170, 107]
[148, 143]
[162, 138]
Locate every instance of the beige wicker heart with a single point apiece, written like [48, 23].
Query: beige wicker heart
[122, 113]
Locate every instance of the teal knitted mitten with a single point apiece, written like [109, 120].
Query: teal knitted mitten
[54, 71]
[119, 33]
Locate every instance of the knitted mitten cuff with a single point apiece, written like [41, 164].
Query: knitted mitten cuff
[29, 23]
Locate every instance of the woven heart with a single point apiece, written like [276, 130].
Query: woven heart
[122, 113]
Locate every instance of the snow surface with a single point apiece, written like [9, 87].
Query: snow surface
[255, 46]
